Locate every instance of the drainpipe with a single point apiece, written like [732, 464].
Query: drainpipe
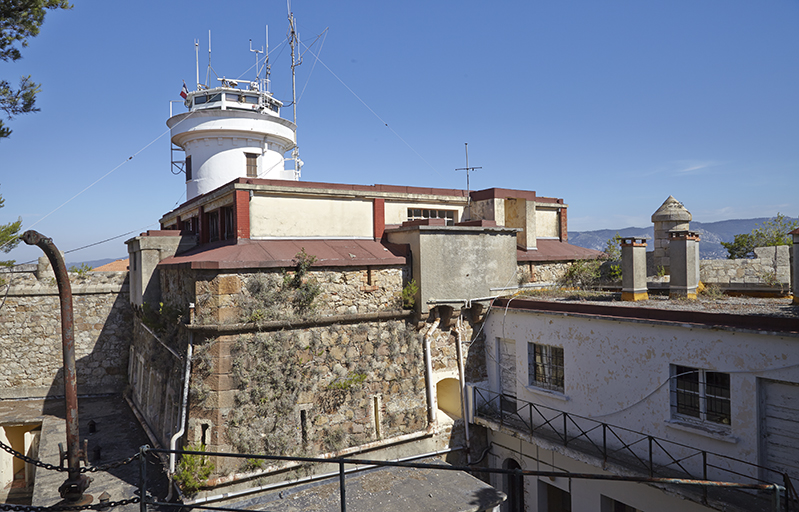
[174, 440]
[428, 363]
[462, 384]
[76, 483]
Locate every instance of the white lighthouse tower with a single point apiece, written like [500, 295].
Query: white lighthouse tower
[232, 131]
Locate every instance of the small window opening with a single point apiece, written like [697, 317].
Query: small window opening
[377, 415]
[204, 434]
[188, 168]
[304, 426]
[252, 165]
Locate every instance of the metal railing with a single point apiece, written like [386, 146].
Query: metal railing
[631, 450]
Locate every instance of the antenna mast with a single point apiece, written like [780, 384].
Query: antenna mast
[266, 62]
[293, 38]
[257, 71]
[197, 62]
[208, 72]
[468, 190]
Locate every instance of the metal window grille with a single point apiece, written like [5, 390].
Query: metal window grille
[701, 394]
[545, 366]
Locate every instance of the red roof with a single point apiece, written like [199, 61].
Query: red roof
[114, 266]
[280, 253]
[555, 250]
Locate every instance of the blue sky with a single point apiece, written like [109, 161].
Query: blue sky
[612, 105]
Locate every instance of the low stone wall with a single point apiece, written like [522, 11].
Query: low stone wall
[770, 268]
[30, 332]
[529, 272]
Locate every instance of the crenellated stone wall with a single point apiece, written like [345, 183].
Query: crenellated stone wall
[30, 332]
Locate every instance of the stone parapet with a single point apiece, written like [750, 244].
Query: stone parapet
[770, 268]
[30, 333]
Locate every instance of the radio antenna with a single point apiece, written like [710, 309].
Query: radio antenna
[256, 52]
[467, 169]
[208, 71]
[293, 38]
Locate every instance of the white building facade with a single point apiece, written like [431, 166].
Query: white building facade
[639, 392]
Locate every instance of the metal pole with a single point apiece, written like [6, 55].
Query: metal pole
[143, 477]
[72, 489]
[704, 476]
[342, 488]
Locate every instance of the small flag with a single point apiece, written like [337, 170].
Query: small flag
[184, 92]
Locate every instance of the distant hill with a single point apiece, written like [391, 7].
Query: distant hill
[711, 234]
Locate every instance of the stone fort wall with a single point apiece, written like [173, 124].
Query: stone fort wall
[30, 332]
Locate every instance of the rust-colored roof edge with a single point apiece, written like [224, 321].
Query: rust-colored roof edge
[746, 322]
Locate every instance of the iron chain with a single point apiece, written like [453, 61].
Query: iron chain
[92, 506]
[52, 467]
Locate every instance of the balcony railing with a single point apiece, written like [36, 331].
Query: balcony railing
[635, 452]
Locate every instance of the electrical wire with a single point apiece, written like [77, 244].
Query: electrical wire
[112, 170]
[372, 111]
[324, 33]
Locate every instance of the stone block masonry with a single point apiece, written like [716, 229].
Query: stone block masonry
[308, 391]
[30, 333]
[770, 268]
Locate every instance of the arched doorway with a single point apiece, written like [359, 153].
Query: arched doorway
[513, 486]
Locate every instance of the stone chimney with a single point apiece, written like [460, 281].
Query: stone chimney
[633, 269]
[671, 216]
[684, 280]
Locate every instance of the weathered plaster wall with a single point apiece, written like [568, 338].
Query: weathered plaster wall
[30, 333]
[297, 217]
[586, 495]
[628, 381]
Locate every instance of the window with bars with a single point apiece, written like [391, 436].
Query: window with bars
[427, 213]
[545, 366]
[252, 165]
[698, 394]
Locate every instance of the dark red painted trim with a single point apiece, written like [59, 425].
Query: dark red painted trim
[241, 213]
[379, 217]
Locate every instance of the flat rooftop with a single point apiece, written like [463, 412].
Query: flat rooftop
[749, 313]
